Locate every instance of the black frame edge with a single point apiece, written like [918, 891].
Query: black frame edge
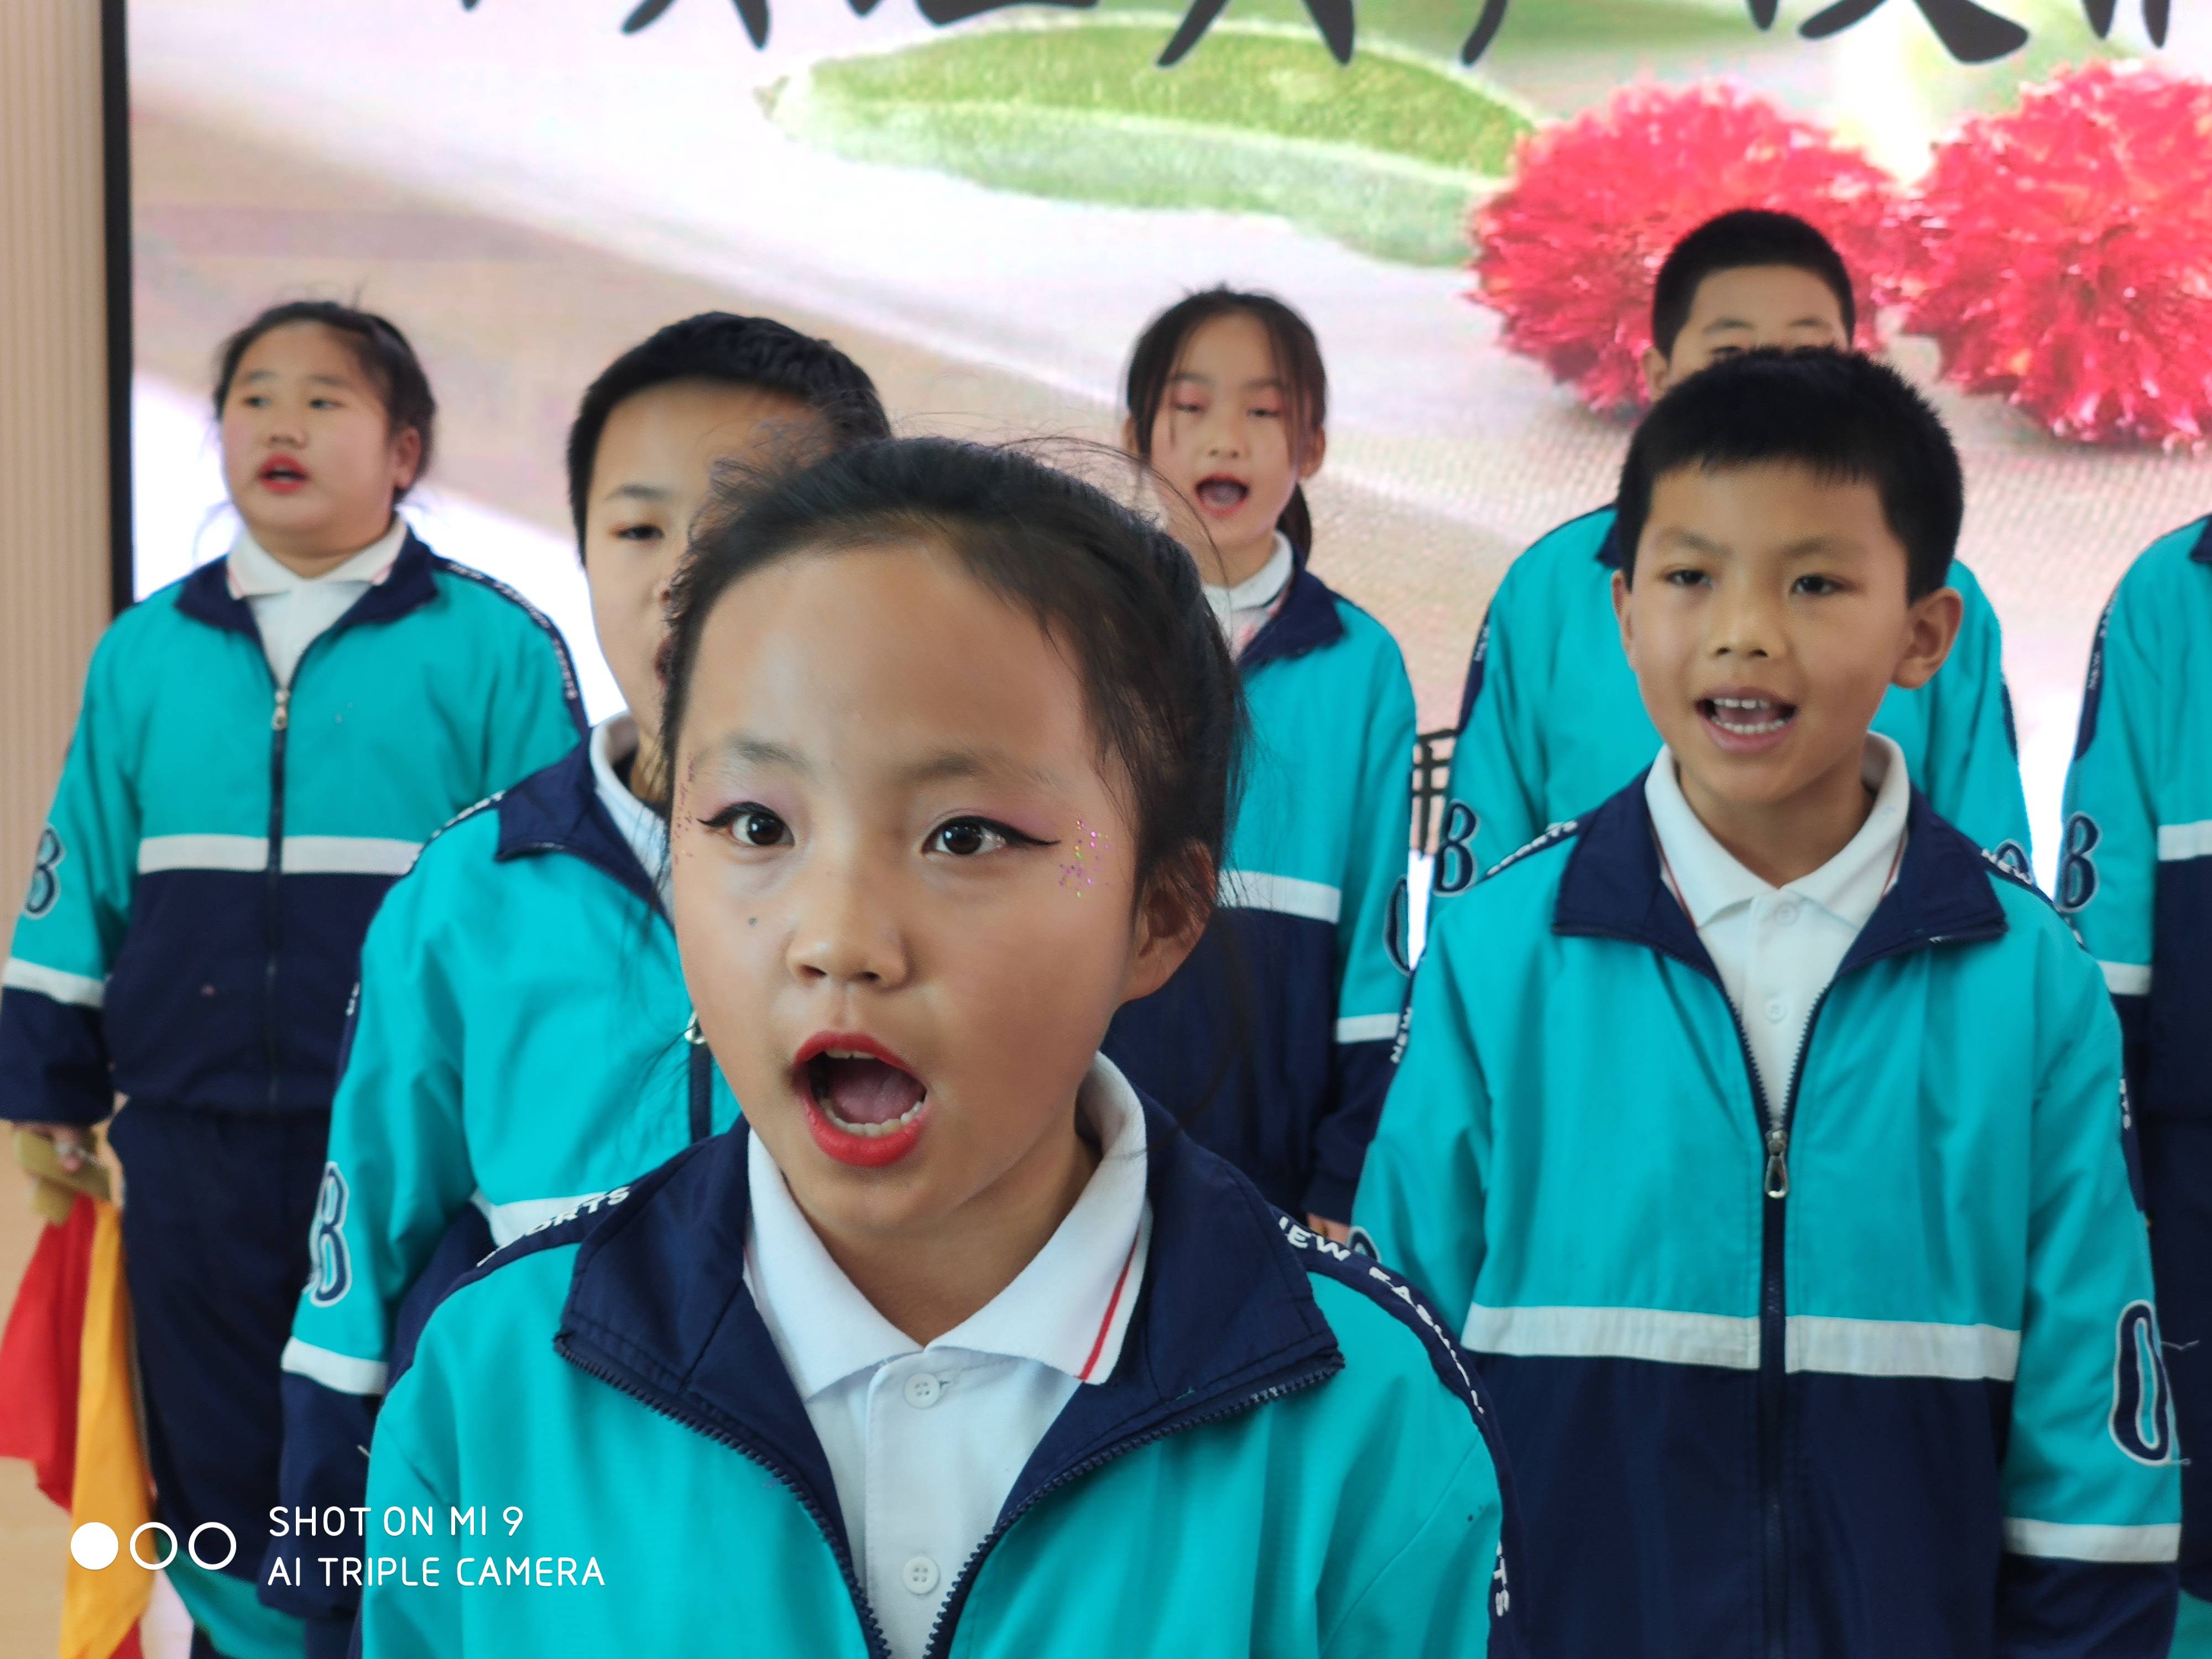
[115, 180]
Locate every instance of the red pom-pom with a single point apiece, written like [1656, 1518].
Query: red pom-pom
[2062, 257]
[1568, 254]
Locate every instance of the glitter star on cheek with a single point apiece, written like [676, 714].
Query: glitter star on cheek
[1087, 845]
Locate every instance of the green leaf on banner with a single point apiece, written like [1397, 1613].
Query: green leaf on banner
[1385, 154]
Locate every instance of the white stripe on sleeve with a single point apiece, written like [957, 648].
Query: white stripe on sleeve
[2054, 1540]
[340, 1373]
[2176, 841]
[78, 989]
[2127, 979]
[1367, 1028]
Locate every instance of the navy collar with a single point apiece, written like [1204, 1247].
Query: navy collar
[1305, 620]
[1612, 888]
[657, 1308]
[2203, 551]
[558, 809]
[411, 583]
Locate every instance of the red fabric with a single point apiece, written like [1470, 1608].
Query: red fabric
[41, 1352]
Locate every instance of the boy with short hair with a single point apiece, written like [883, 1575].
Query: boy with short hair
[1765, 1133]
[1550, 724]
[2135, 876]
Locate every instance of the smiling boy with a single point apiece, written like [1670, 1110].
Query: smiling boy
[1812, 1296]
[1550, 722]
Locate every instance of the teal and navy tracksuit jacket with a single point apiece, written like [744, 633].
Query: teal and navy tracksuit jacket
[1292, 998]
[1552, 723]
[216, 848]
[1896, 1391]
[2136, 876]
[1288, 1459]
[517, 1047]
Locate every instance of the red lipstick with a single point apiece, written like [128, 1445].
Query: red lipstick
[865, 1105]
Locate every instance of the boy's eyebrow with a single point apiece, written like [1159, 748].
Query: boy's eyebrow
[635, 491]
[1675, 536]
[1810, 319]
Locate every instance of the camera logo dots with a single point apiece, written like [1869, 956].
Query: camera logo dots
[94, 1546]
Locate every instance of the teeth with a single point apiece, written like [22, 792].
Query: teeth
[1741, 702]
[874, 1131]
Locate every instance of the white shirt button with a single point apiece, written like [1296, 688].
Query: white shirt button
[1778, 1009]
[923, 1391]
[921, 1575]
[1784, 914]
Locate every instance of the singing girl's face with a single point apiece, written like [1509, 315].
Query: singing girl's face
[904, 884]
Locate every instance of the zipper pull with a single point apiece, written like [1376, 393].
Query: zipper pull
[283, 717]
[1778, 1162]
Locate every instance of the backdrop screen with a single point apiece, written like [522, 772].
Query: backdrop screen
[984, 205]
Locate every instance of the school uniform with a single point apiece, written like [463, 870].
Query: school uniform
[1188, 1426]
[1552, 723]
[249, 774]
[519, 1045]
[1272, 1041]
[1791, 1231]
[2135, 878]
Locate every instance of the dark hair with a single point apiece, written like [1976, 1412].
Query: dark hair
[1737, 241]
[1157, 680]
[756, 352]
[1845, 417]
[379, 351]
[1298, 360]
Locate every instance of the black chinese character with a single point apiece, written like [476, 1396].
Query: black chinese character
[1332, 17]
[1493, 15]
[1969, 33]
[2156, 15]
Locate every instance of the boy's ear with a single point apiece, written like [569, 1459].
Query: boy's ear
[1655, 373]
[1310, 457]
[1169, 927]
[1931, 627]
[1621, 615]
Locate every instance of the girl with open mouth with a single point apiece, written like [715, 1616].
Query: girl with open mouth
[956, 1342]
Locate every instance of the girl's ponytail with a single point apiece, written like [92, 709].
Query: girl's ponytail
[1296, 521]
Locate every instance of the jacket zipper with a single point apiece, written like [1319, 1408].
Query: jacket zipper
[872, 1629]
[1774, 1328]
[1773, 1307]
[279, 725]
[948, 1612]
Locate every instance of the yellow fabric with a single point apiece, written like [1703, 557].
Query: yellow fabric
[100, 1609]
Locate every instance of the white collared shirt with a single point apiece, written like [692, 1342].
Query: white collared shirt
[1777, 949]
[291, 610]
[925, 1443]
[1244, 610]
[613, 739]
